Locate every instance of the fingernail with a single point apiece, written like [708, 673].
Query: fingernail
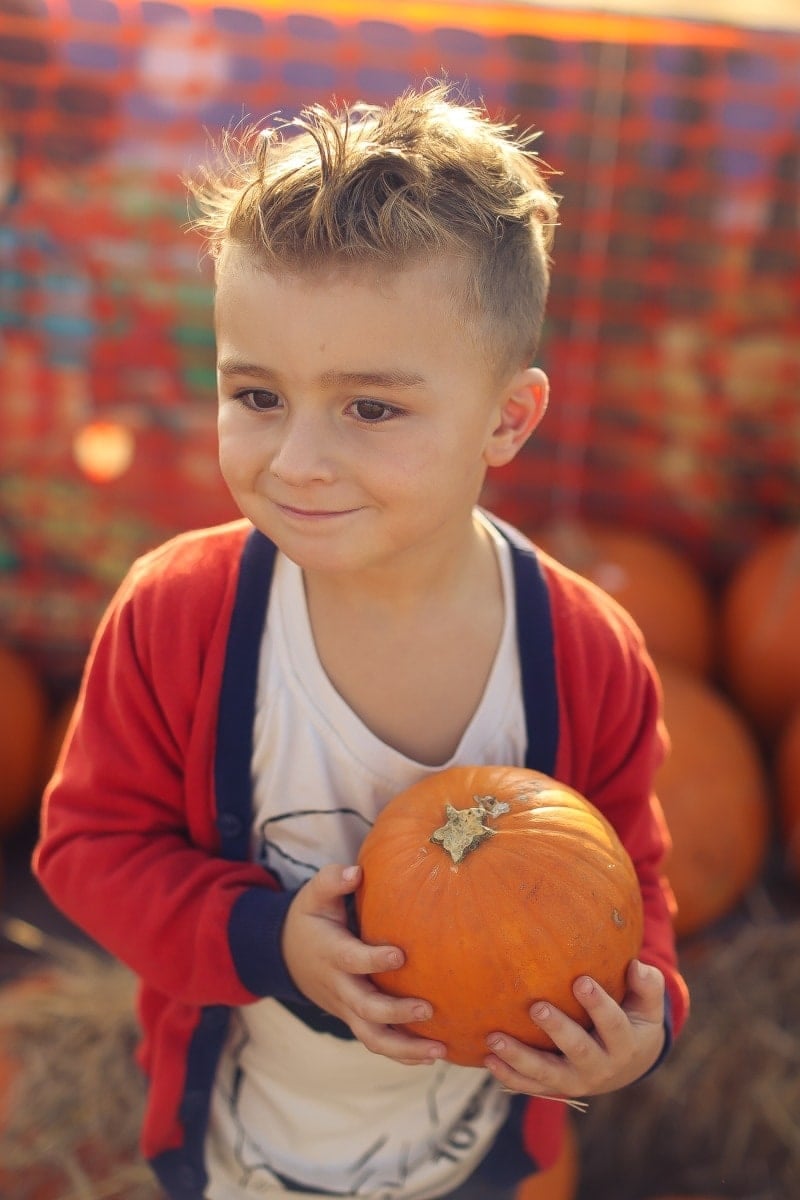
[422, 1012]
[584, 986]
[495, 1043]
[540, 1012]
[350, 873]
[395, 958]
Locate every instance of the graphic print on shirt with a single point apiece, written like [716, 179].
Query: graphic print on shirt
[288, 845]
[382, 1168]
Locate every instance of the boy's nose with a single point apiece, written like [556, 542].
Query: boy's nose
[304, 452]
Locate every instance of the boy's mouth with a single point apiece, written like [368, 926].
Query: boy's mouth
[311, 513]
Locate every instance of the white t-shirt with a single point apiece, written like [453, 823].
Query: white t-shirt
[292, 1104]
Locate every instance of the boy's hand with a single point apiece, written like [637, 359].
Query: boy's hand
[623, 1044]
[331, 967]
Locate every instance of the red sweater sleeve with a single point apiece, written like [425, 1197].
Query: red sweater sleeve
[612, 740]
[129, 848]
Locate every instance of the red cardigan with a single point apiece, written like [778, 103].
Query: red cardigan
[146, 822]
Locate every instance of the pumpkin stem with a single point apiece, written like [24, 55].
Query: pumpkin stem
[464, 828]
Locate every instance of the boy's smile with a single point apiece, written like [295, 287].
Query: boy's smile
[357, 416]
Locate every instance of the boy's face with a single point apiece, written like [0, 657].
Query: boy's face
[356, 417]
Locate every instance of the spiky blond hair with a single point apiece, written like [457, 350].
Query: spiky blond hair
[394, 185]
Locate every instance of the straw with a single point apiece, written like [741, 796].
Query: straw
[721, 1115]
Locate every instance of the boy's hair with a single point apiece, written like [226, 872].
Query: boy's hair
[392, 186]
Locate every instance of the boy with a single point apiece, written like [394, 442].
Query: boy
[257, 692]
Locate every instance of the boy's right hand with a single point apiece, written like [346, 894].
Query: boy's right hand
[331, 966]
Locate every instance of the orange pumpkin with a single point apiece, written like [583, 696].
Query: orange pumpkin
[662, 591]
[787, 783]
[715, 797]
[502, 886]
[559, 1182]
[760, 626]
[54, 736]
[23, 718]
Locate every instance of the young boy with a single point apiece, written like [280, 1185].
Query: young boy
[257, 692]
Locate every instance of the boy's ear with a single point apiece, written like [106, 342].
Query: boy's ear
[522, 408]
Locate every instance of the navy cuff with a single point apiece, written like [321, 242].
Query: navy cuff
[255, 927]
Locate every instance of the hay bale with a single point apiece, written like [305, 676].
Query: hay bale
[72, 1096]
[721, 1116]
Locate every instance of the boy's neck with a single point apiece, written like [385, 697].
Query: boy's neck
[393, 646]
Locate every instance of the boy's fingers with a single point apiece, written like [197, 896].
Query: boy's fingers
[402, 1047]
[645, 991]
[644, 979]
[324, 891]
[382, 1009]
[339, 880]
[356, 958]
[608, 1018]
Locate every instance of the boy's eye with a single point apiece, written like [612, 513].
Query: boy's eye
[258, 400]
[374, 411]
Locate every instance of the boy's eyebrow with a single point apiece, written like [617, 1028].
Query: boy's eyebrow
[238, 366]
[392, 377]
[389, 378]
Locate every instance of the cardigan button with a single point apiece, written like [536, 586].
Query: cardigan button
[229, 825]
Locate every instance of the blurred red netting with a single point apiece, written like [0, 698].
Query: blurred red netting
[672, 336]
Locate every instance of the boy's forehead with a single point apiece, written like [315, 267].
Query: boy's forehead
[237, 262]
[418, 314]
[437, 290]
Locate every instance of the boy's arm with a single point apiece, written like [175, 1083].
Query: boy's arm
[615, 742]
[627, 798]
[129, 848]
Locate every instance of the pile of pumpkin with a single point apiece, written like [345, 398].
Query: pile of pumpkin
[32, 728]
[730, 668]
[729, 664]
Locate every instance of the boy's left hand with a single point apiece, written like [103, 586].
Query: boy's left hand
[623, 1043]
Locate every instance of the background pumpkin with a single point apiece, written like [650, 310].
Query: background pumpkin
[787, 785]
[54, 735]
[715, 796]
[760, 628]
[666, 596]
[548, 893]
[23, 719]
